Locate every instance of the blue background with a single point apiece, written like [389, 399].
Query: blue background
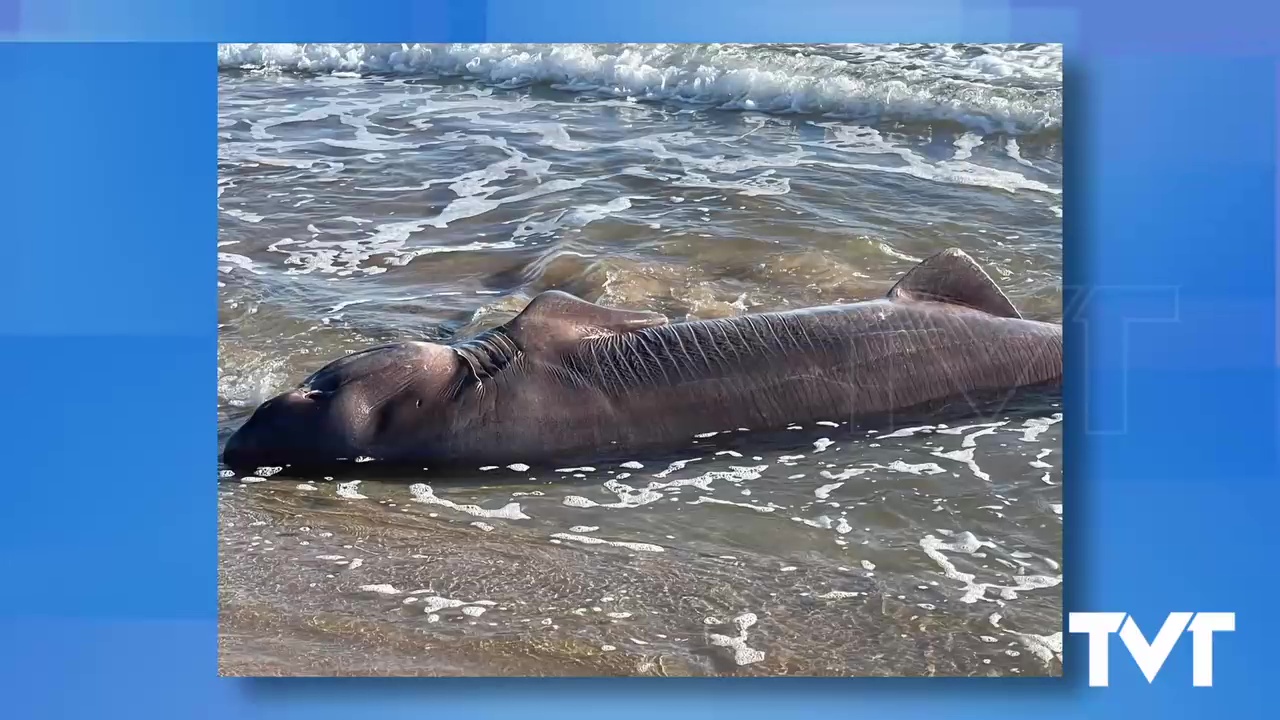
[108, 349]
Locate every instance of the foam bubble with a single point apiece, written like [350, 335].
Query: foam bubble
[631, 497]
[908, 432]
[825, 491]
[588, 540]
[917, 468]
[843, 474]
[1045, 647]
[964, 456]
[742, 654]
[969, 544]
[965, 145]
[436, 603]
[704, 499]
[349, 490]
[1035, 427]
[424, 494]
[381, 589]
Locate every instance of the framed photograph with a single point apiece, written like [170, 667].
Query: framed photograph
[640, 359]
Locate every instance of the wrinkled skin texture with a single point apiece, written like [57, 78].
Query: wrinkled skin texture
[567, 379]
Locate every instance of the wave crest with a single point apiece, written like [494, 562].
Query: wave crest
[1014, 89]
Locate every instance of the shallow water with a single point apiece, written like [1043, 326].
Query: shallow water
[374, 193]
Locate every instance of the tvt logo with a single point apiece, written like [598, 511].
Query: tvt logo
[1150, 656]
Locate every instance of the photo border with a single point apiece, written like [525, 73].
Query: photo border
[108, 337]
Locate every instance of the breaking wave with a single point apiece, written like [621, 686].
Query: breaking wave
[1015, 89]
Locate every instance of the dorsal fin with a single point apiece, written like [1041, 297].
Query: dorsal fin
[554, 318]
[951, 276]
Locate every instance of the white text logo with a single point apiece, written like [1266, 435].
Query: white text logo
[1150, 656]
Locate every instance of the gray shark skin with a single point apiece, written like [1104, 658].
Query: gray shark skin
[567, 379]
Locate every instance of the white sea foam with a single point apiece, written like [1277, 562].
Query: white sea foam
[423, 493]
[1014, 88]
[631, 497]
[742, 654]
[349, 490]
[576, 217]
[1045, 647]
[965, 456]
[589, 540]
[969, 544]
[866, 149]
[716, 501]
[1033, 428]
[965, 145]
[916, 468]
[825, 491]
[434, 604]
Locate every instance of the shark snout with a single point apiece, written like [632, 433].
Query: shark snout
[276, 430]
